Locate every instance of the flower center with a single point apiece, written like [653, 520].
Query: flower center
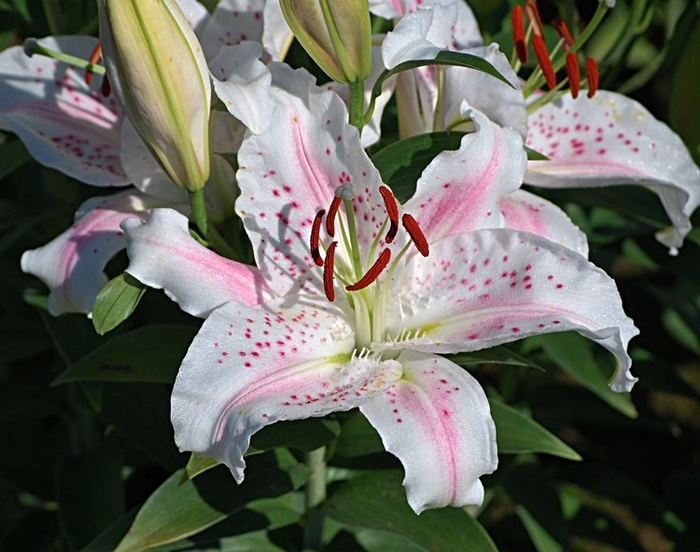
[365, 272]
[564, 55]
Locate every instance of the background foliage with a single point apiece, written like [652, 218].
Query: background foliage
[84, 419]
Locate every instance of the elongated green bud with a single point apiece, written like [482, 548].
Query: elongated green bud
[157, 69]
[336, 34]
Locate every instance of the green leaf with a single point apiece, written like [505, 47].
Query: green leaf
[574, 354]
[538, 506]
[197, 465]
[402, 162]
[116, 301]
[13, 155]
[684, 109]
[518, 433]
[176, 511]
[494, 355]
[151, 354]
[140, 413]
[445, 57]
[83, 482]
[378, 501]
[306, 435]
[358, 438]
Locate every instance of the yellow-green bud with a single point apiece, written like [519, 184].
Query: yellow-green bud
[336, 33]
[157, 69]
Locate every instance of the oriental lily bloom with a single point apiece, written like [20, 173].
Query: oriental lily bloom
[603, 140]
[67, 123]
[355, 296]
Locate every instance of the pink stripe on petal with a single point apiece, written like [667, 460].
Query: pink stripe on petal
[71, 264]
[163, 255]
[436, 420]
[529, 213]
[491, 287]
[249, 367]
[459, 190]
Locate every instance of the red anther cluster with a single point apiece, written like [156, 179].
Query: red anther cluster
[544, 60]
[372, 274]
[95, 58]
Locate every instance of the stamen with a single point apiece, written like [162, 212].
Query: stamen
[373, 273]
[106, 88]
[315, 241]
[392, 211]
[540, 49]
[572, 69]
[516, 18]
[416, 234]
[332, 212]
[592, 75]
[534, 16]
[95, 57]
[563, 32]
[328, 272]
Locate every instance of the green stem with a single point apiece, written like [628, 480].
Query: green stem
[357, 103]
[32, 46]
[209, 231]
[315, 495]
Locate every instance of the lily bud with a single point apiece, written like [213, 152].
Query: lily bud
[158, 71]
[336, 34]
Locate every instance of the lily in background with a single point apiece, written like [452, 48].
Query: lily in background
[598, 139]
[68, 124]
[354, 296]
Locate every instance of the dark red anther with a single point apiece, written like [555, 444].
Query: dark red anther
[516, 18]
[373, 273]
[106, 88]
[534, 16]
[315, 242]
[332, 212]
[563, 32]
[94, 58]
[574, 72]
[392, 210]
[328, 272]
[417, 236]
[540, 49]
[592, 75]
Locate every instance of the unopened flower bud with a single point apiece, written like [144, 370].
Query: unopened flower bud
[336, 34]
[158, 71]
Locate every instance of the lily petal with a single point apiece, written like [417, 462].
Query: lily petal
[611, 139]
[503, 104]
[465, 30]
[71, 264]
[459, 191]
[437, 421]
[530, 213]
[422, 34]
[242, 83]
[291, 171]
[250, 367]
[491, 287]
[64, 123]
[233, 22]
[163, 255]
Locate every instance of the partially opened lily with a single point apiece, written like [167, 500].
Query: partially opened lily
[605, 140]
[354, 296]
